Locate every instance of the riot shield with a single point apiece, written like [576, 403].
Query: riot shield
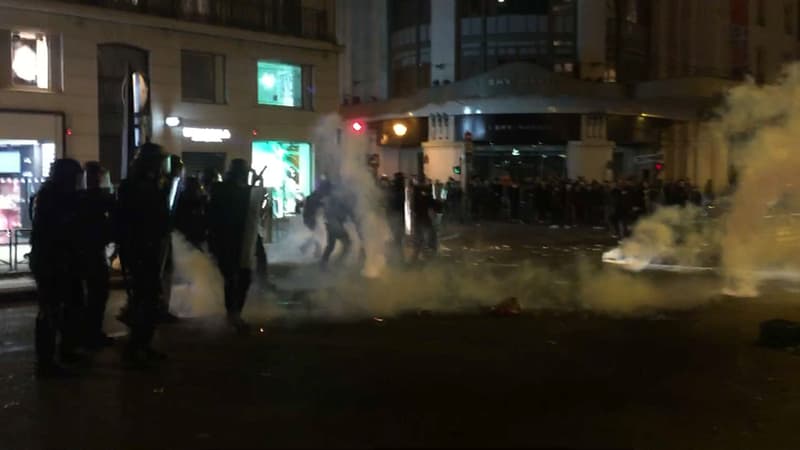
[251, 225]
[408, 208]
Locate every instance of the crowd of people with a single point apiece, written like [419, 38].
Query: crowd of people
[566, 203]
[77, 214]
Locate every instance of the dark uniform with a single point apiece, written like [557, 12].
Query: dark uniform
[172, 188]
[424, 206]
[338, 211]
[396, 210]
[54, 254]
[227, 214]
[311, 207]
[96, 204]
[142, 226]
[190, 212]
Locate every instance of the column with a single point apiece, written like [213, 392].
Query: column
[443, 40]
[441, 157]
[589, 157]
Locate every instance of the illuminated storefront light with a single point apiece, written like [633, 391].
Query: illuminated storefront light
[287, 172]
[206, 134]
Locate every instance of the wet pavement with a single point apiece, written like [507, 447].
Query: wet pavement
[542, 379]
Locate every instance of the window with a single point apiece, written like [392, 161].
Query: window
[282, 84]
[761, 12]
[195, 8]
[30, 60]
[788, 17]
[202, 77]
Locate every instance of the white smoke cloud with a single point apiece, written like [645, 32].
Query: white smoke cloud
[197, 286]
[756, 237]
[345, 164]
[759, 128]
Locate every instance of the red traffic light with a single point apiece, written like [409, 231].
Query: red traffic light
[659, 167]
[358, 127]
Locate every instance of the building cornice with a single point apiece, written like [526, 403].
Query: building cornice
[166, 24]
[525, 88]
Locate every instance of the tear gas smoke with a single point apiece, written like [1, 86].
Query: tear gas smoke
[345, 164]
[759, 128]
[756, 238]
[197, 288]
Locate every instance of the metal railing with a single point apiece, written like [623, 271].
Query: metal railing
[14, 257]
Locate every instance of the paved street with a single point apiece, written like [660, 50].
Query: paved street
[564, 374]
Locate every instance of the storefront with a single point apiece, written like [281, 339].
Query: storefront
[287, 169]
[29, 143]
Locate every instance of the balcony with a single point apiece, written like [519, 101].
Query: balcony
[268, 16]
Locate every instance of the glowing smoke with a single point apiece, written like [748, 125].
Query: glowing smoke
[197, 287]
[768, 160]
[345, 163]
[756, 238]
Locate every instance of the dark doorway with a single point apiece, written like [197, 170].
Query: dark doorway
[115, 63]
[195, 162]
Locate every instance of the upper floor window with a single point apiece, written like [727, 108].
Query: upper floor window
[30, 60]
[35, 60]
[761, 12]
[281, 84]
[202, 77]
[788, 18]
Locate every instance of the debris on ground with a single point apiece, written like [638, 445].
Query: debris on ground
[508, 307]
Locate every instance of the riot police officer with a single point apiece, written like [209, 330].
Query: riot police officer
[96, 204]
[142, 229]
[190, 212]
[424, 209]
[54, 253]
[174, 186]
[232, 235]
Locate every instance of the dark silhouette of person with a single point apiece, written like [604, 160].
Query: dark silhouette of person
[142, 226]
[338, 209]
[190, 212]
[96, 206]
[54, 252]
[227, 217]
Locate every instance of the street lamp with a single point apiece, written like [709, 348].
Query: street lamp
[399, 129]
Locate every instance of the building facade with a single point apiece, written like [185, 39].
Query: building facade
[578, 88]
[209, 80]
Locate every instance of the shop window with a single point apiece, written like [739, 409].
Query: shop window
[30, 61]
[195, 9]
[282, 84]
[287, 172]
[202, 77]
